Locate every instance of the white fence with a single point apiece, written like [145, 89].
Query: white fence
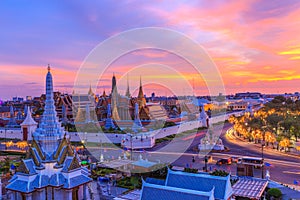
[139, 140]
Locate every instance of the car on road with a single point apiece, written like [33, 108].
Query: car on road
[234, 159]
[224, 161]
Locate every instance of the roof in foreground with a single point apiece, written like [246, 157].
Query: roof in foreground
[200, 182]
[250, 188]
[133, 195]
[152, 191]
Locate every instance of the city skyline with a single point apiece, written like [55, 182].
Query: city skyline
[255, 47]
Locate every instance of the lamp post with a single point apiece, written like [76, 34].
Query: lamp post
[5, 138]
[130, 135]
[205, 161]
[262, 151]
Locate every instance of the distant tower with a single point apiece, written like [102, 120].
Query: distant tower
[128, 91]
[12, 120]
[114, 99]
[104, 94]
[114, 84]
[141, 98]
[90, 92]
[50, 130]
[109, 122]
[137, 124]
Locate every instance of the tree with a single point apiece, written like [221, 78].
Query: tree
[273, 120]
[219, 173]
[285, 143]
[275, 193]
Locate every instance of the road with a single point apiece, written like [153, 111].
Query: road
[284, 168]
[179, 152]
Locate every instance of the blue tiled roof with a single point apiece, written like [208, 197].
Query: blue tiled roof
[45, 180]
[155, 181]
[57, 181]
[155, 192]
[200, 182]
[37, 154]
[77, 180]
[30, 166]
[18, 185]
[61, 152]
[35, 183]
[67, 163]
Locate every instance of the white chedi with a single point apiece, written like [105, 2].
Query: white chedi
[211, 142]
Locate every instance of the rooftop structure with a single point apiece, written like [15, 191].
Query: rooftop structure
[250, 188]
[50, 129]
[183, 185]
[51, 169]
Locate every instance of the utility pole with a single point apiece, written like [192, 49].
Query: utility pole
[262, 151]
[205, 161]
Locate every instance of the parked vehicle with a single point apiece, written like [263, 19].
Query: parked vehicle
[224, 161]
[234, 159]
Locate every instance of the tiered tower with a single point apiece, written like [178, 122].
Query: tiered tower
[50, 129]
[51, 169]
[137, 124]
[141, 98]
[128, 95]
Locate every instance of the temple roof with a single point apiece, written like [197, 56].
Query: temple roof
[202, 182]
[153, 191]
[250, 188]
[26, 167]
[28, 120]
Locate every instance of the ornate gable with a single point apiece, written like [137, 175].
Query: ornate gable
[35, 145]
[22, 168]
[74, 164]
[66, 151]
[60, 147]
[34, 157]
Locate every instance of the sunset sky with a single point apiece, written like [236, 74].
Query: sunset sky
[255, 44]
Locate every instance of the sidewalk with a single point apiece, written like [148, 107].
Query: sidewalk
[266, 148]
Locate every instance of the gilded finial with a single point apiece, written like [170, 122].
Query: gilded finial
[48, 67]
[140, 80]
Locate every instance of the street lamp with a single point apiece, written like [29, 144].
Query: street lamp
[262, 151]
[205, 161]
[5, 138]
[130, 135]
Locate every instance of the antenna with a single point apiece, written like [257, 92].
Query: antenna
[193, 88]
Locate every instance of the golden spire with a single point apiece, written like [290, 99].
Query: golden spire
[48, 68]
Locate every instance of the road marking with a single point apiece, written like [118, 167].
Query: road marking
[194, 136]
[291, 172]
